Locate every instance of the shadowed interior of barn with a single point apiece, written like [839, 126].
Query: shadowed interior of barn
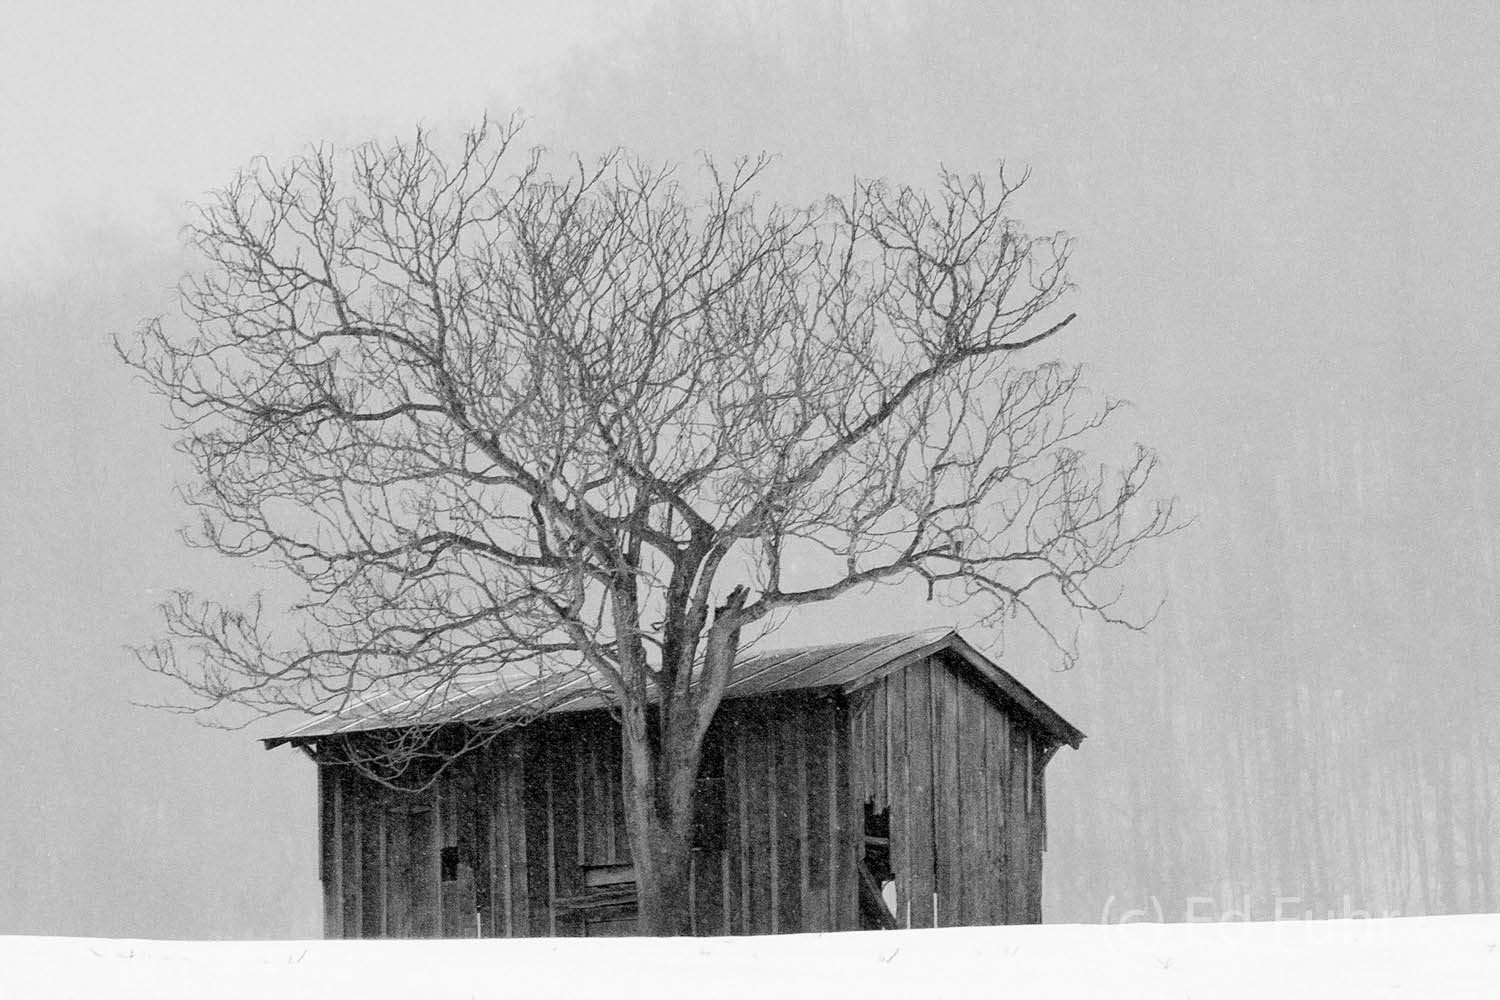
[893, 782]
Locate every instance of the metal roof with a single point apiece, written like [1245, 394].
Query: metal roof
[846, 666]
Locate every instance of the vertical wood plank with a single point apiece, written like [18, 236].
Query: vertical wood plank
[602, 810]
[856, 730]
[862, 777]
[1034, 833]
[612, 806]
[499, 846]
[350, 839]
[1031, 847]
[708, 869]
[481, 808]
[817, 863]
[422, 843]
[879, 749]
[974, 861]
[918, 738]
[567, 875]
[551, 837]
[942, 873]
[325, 822]
[791, 814]
[734, 804]
[464, 801]
[515, 830]
[820, 734]
[383, 818]
[384, 861]
[708, 893]
[332, 849]
[729, 899]
[537, 816]
[372, 874]
[997, 789]
[449, 908]
[1017, 843]
[595, 813]
[745, 736]
[586, 831]
[595, 817]
[947, 805]
[616, 763]
[1028, 773]
[846, 821]
[398, 923]
[758, 827]
[1041, 800]
[1038, 832]
[900, 792]
[468, 846]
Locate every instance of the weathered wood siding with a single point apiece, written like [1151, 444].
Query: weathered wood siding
[959, 772]
[503, 841]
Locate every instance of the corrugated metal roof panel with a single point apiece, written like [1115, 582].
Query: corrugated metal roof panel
[853, 672]
[818, 666]
[458, 700]
[845, 665]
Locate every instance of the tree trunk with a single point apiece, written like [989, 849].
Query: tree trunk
[662, 868]
[660, 777]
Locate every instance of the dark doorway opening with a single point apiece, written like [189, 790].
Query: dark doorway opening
[876, 876]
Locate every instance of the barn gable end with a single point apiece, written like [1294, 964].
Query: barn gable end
[956, 772]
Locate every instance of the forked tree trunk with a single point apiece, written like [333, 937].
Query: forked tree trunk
[662, 747]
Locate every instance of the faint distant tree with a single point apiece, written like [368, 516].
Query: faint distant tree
[610, 423]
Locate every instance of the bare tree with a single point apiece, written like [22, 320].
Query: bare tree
[604, 423]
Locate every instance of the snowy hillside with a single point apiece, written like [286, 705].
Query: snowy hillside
[1419, 957]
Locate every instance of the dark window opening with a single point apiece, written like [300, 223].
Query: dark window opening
[878, 842]
[450, 864]
[877, 879]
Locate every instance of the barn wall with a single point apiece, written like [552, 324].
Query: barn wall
[401, 863]
[960, 773]
[788, 860]
[511, 840]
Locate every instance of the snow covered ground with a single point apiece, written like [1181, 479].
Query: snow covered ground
[1425, 957]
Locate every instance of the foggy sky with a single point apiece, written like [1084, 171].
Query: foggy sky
[1287, 249]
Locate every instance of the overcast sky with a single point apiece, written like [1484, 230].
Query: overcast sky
[1287, 246]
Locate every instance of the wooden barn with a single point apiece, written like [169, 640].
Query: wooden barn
[893, 782]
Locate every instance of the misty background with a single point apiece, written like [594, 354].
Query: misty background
[1287, 256]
